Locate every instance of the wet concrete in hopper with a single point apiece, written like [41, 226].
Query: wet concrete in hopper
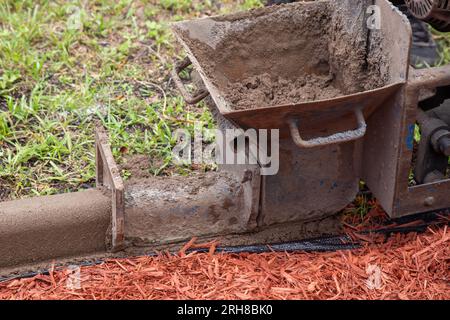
[288, 54]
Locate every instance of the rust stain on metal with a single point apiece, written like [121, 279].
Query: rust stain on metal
[108, 175]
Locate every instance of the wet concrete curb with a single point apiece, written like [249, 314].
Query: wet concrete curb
[52, 227]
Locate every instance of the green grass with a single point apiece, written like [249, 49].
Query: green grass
[66, 64]
[443, 40]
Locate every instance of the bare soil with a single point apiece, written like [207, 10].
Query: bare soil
[4, 193]
[138, 166]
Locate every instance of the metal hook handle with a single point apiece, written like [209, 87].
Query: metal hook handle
[336, 138]
[179, 67]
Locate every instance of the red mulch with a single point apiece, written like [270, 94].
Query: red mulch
[405, 267]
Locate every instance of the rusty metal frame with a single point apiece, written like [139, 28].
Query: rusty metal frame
[429, 196]
[108, 175]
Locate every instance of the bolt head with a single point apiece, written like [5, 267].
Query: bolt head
[429, 201]
[444, 145]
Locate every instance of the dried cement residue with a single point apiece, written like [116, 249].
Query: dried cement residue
[288, 54]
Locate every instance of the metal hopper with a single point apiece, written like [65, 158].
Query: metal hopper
[368, 65]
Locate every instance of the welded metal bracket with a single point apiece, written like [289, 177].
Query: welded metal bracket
[108, 175]
[389, 150]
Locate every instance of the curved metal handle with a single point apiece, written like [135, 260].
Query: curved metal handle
[340, 137]
[197, 97]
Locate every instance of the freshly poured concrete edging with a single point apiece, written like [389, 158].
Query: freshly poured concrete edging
[51, 227]
[159, 212]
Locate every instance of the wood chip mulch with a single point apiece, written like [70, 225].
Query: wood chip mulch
[405, 267]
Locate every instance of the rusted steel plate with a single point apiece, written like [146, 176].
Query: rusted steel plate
[108, 175]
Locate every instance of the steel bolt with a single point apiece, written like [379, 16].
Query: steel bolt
[440, 140]
[429, 201]
[444, 145]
